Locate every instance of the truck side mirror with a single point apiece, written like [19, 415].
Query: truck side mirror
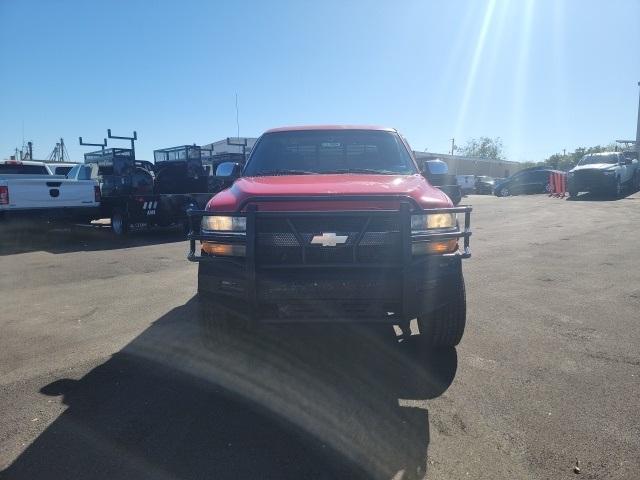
[435, 167]
[228, 169]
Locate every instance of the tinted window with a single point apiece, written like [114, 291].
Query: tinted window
[18, 169]
[61, 170]
[541, 175]
[330, 151]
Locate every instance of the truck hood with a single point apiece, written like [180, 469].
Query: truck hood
[330, 185]
[594, 166]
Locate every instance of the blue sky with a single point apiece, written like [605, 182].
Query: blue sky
[542, 75]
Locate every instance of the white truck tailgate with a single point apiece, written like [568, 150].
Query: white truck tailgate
[51, 192]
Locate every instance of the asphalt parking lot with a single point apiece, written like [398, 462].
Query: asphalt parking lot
[105, 372]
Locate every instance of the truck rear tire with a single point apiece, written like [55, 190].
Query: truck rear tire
[444, 327]
[119, 223]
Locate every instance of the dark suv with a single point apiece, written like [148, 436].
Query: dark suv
[535, 180]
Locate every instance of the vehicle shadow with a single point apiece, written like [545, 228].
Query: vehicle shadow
[287, 403]
[77, 239]
[601, 197]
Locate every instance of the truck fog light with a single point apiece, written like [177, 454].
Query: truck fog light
[443, 246]
[224, 249]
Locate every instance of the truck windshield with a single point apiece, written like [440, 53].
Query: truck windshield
[330, 151]
[593, 159]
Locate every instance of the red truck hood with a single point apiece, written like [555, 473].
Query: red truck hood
[414, 186]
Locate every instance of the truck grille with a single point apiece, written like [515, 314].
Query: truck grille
[589, 177]
[298, 240]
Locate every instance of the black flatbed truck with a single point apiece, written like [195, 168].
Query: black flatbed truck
[139, 194]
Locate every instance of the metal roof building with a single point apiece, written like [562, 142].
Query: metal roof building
[461, 165]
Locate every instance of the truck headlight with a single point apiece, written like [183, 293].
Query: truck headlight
[432, 221]
[223, 224]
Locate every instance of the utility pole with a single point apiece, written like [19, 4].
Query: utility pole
[638, 124]
[453, 145]
[564, 152]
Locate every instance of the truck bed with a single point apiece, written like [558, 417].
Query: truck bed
[22, 194]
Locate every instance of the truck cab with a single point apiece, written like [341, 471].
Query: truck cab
[332, 224]
[179, 170]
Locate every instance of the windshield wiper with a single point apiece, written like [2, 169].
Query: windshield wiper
[284, 172]
[362, 170]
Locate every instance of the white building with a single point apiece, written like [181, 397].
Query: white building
[222, 146]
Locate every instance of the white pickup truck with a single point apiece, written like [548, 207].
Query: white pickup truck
[28, 190]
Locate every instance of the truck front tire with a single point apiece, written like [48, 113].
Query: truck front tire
[618, 188]
[444, 326]
[219, 325]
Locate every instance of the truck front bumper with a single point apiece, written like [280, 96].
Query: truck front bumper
[391, 291]
[331, 295]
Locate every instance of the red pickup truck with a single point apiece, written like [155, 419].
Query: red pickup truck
[332, 224]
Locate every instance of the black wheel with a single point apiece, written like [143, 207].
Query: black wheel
[504, 192]
[444, 327]
[119, 223]
[218, 324]
[636, 182]
[186, 227]
[186, 224]
[214, 323]
[618, 188]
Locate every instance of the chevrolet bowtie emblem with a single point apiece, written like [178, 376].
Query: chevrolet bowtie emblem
[329, 239]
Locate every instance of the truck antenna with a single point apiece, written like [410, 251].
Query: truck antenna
[237, 118]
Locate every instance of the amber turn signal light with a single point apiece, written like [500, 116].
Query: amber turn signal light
[443, 246]
[224, 249]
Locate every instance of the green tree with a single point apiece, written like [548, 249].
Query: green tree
[484, 147]
[566, 162]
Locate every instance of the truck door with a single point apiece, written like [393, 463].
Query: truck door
[538, 181]
[517, 183]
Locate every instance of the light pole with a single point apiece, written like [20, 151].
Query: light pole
[638, 123]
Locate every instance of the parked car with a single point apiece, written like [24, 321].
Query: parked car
[467, 183]
[29, 191]
[484, 185]
[607, 172]
[332, 224]
[528, 181]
